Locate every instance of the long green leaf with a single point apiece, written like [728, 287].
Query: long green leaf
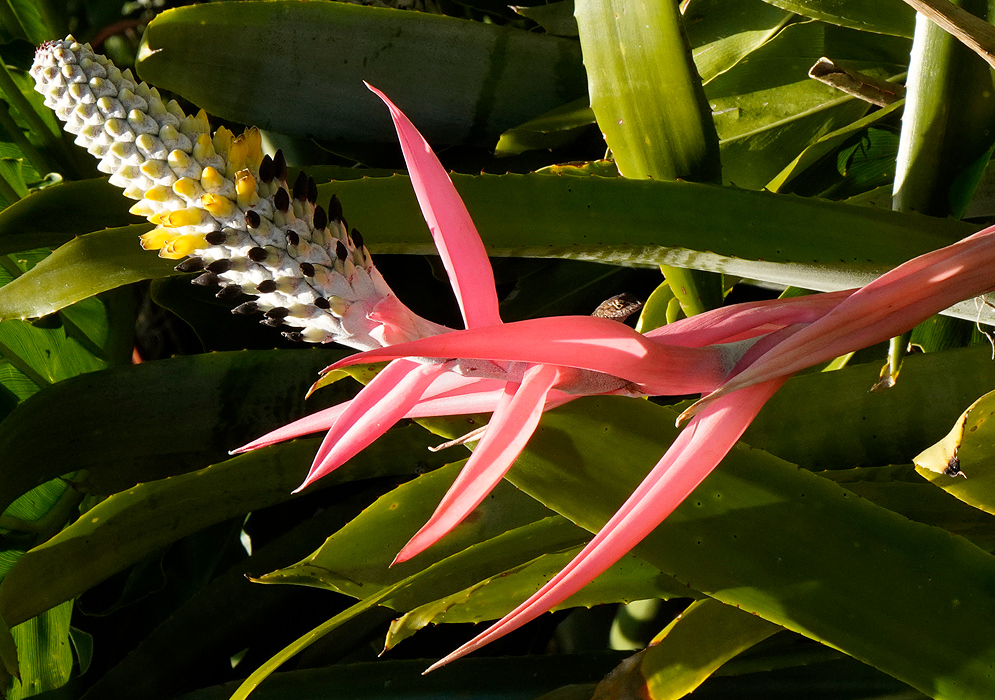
[767, 109]
[617, 220]
[356, 559]
[85, 266]
[157, 419]
[610, 220]
[459, 81]
[883, 16]
[223, 616]
[948, 119]
[722, 33]
[901, 489]
[22, 19]
[128, 525]
[826, 145]
[54, 215]
[647, 99]
[491, 598]
[651, 108]
[45, 656]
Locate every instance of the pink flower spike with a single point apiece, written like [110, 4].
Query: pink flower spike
[515, 419]
[456, 238]
[691, 457]
[890, 305]
[729, 324]
[583, 342]
[383, 402]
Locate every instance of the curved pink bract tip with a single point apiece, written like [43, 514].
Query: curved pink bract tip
[456, 238]
[383, 402]
[515, 419]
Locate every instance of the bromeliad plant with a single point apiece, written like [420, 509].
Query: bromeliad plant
[789, 546]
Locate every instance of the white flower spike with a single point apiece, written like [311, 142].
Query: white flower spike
[218, 202]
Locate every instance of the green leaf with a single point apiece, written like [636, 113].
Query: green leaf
[491, 598]
[850, 426]
[12, 180]
[459, 81]
[900, 489]
[648, 102]
[657, 309]
[87, 265]
[9, 666]
[54, 215]
[560, 287]
[643, 222]
[356, 560]
[688, 651]
[124, 528]
[651, 108]
[22, 19]
[882, 16]
[738, 538]
[556, 18]
[224, 616]
[826, 145]
[767, 109]
[553, 129]
[722, 33]
[609, 220]
[966, 451]
[144, 422]
[507, 529]
[45, 655]
[40, 645]
[45, 355]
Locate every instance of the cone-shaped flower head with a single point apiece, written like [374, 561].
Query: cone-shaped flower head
[220, 201]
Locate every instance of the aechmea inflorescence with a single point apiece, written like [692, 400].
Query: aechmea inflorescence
[226, 208]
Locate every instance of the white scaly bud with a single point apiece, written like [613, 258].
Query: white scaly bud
[220, 203]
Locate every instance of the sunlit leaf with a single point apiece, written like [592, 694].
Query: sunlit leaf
[767, 109]
[722, 33]
[966, 451]
[54, 215]
[884, 16]
[459, 81]
[688, 651]
[87, 265]
[630, 579]
[550, 130]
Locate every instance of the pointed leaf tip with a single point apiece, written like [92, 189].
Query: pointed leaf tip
[455, 236]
